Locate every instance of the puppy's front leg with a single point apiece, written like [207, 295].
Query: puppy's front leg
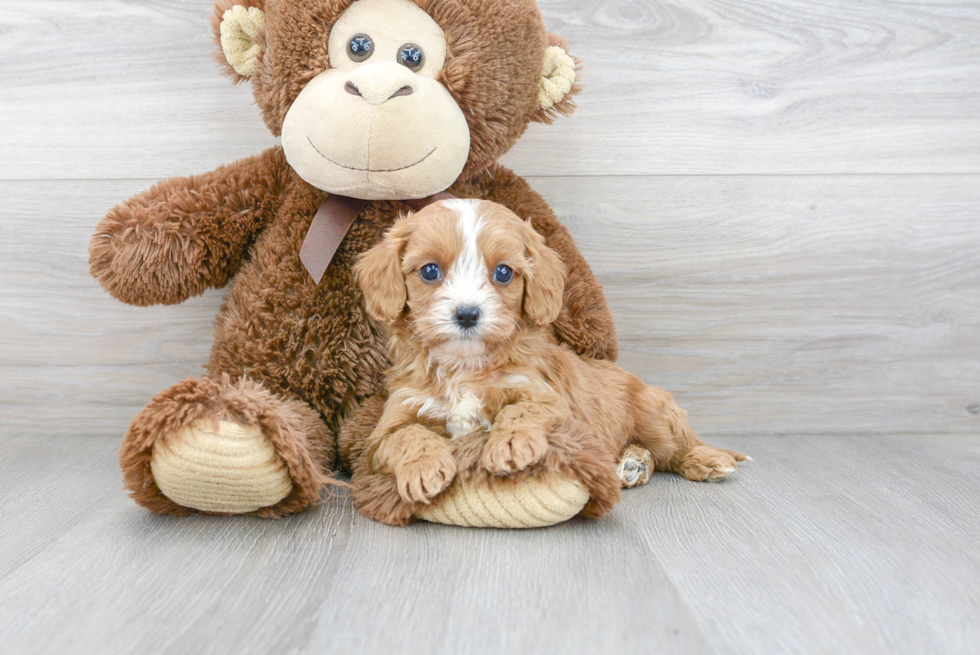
[519, 435]
[421, 461]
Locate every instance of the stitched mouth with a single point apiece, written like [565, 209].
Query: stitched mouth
[369, 170]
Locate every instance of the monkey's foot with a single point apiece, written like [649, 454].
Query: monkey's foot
[225, 447]
[220, 466]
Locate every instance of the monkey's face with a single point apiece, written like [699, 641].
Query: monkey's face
[395, 99]
[378, 124]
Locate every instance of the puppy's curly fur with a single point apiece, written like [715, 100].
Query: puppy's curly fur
[469, 291]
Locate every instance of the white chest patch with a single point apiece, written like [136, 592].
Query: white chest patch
[462, 413]
[464, 416]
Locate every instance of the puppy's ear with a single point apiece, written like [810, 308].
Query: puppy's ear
[379, 274]
[544, 285]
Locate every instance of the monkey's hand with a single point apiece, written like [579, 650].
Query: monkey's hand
[186, 234]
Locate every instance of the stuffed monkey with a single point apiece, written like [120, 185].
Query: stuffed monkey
[381, 105]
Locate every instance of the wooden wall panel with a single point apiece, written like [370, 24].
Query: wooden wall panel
[781, 199]
[120, 89]
[792, 304]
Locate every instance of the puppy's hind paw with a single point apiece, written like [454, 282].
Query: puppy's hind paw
[635, 466]
[706, 464]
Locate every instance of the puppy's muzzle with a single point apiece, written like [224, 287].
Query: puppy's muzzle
[466, 317]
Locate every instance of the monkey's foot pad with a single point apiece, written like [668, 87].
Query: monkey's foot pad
[221, 467]
[532, 502]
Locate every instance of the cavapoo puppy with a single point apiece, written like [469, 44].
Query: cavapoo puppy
[468, 291]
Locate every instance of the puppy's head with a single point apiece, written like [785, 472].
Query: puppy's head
[463, 276]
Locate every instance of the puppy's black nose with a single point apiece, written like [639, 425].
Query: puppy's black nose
[466, 317]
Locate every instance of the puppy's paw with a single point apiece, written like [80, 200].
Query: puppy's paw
[513, 451]
[707, 464]
[635, 466]
[424, 477]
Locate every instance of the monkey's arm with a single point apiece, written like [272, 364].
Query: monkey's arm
[585, 322]
[186, 234]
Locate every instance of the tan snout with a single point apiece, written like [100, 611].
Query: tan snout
[379, 83]
[378, 132]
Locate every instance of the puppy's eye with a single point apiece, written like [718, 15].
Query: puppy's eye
[360, 47]
[430, 272]
[503, 274]
[411, 56]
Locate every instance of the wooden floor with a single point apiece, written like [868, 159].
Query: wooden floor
[819, 545]
[782, 200]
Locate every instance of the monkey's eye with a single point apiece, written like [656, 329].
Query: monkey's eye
[430, 272]
[503, 274]
[360, 47]
[411, 55]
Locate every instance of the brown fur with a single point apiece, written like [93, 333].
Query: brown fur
[572, 450]
[297, 433]
[496, 48]
[308, 349]
[529, 386]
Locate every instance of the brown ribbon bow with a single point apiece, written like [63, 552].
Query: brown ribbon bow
[331, 224]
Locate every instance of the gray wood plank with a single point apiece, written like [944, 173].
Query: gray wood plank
[829, 544]
[121, 89]
[768, 305]
[325, 581]
[49, 486]
[793, 304]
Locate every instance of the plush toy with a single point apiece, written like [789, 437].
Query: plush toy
[478, 383]
[381, 105]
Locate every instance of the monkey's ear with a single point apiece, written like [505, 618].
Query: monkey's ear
[557, 85]
[379, 274]
[239, 32]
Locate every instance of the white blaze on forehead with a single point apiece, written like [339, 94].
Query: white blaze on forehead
[469, 271]
[467, 283]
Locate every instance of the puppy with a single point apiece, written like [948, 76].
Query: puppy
[468, 292]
